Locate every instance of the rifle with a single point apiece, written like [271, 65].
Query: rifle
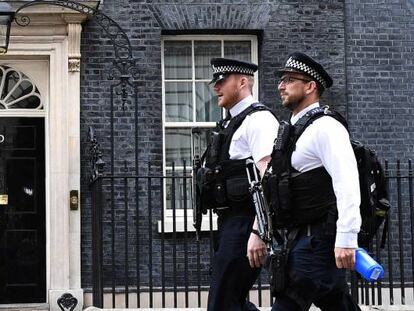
[274, 241]
[196, 196]
[197, 210]
[263, 213]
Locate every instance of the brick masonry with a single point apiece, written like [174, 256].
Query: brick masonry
[367, 46]
[380, 68]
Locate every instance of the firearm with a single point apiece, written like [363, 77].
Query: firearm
[263, 213]
[274, 241]
[196, 193]
[197, 209]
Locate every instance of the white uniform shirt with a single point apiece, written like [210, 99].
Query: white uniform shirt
[255, 136]
[326, 143]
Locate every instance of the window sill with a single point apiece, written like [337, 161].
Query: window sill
[179, 224]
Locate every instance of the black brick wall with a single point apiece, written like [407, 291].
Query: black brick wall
[380, 71]
[367, 46]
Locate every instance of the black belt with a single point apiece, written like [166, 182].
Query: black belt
[296, 232]
[314, 229]
[321, 228]
[307, 230]
[233, 211]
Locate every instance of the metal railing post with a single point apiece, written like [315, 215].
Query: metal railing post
[97, 252]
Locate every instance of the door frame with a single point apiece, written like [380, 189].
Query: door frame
[54, 35]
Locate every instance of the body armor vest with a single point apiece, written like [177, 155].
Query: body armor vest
[312, 196]
[223, 182]
[296, 198]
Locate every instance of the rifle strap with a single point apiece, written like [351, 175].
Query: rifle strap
[279, 238]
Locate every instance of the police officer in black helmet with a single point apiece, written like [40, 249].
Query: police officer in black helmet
[325, 197]
[248, 132]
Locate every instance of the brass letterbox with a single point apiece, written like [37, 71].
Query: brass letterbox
[74, 199]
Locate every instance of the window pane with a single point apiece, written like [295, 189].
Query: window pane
[178, 189]
[177, 146]
[177, 59]
[18, 91]
[206, 103]
[238, 49]
[178, 102]
[203, 52]
[179, 140]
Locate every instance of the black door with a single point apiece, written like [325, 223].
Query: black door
[22, 210]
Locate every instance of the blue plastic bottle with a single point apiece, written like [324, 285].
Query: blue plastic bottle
[367, 267]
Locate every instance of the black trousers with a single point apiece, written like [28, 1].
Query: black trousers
[232, 277]
[314, 278]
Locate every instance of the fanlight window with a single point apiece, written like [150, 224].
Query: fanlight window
[17, 91]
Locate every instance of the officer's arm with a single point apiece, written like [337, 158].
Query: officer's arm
[338, 158]
[262, 164]
[335, 151]
[256, 248]
[262, 131]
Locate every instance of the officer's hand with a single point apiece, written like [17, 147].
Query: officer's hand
[345, 257]
[256, 251]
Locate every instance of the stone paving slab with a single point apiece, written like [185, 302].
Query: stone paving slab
[25, 307]
[363, 308]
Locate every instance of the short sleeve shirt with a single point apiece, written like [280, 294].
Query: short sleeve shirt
[256, 135]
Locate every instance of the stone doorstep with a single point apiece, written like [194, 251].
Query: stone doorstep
[147, 309]
[363, 308]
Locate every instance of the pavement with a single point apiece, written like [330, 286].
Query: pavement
[363, 308]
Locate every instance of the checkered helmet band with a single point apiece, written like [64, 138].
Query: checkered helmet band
[295, 64]
[238, 69]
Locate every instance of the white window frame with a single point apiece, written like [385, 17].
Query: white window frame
[179, 213]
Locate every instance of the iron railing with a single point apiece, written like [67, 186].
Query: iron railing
[145, 255]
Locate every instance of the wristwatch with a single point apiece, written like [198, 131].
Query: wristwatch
[254, 231]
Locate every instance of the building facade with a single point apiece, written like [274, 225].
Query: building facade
[59, 83]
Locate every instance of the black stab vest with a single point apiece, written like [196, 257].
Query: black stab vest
[229, 175]
[298, 198]
[312, 196]
[220, 140]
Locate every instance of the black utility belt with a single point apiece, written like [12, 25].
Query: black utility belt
[229, 192]
[234, 211]
[314, 229]
[217, 191]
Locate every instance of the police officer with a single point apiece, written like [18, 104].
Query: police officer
[325, 197]
[248, 132]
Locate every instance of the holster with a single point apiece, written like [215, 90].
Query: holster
[212, 188]
[278, 280]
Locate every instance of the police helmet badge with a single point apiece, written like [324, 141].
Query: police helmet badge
[302, 63]
[225, 66]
